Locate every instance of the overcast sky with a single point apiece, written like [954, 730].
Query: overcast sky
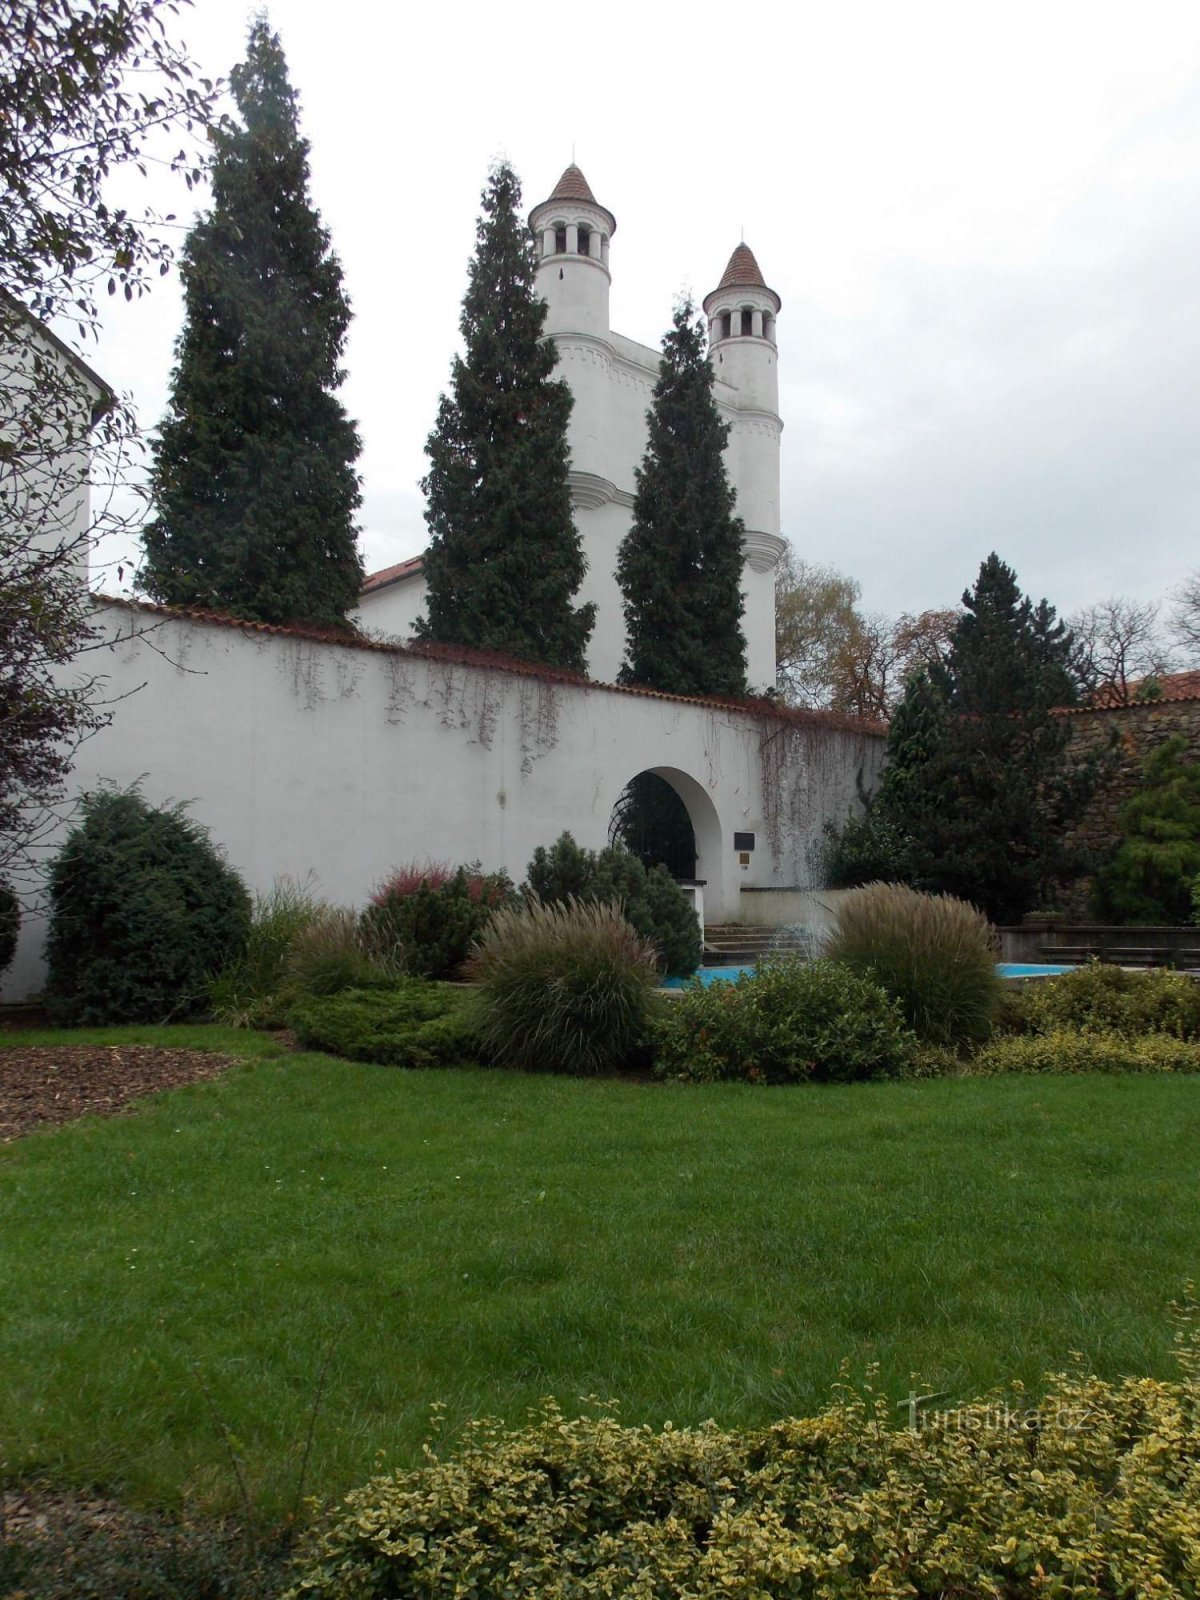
[983, 220]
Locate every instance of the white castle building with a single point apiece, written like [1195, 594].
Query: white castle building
[612, 379]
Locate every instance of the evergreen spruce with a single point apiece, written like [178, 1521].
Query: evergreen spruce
[505, 558]
[985, 789]
[254, 483]
[680, 564]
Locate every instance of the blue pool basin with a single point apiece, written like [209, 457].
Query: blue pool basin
[1006, 969]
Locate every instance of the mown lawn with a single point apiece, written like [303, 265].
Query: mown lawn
[484, 1240]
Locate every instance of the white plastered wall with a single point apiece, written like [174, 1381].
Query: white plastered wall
[305, 757]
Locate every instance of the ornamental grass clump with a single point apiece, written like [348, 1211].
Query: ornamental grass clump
[792, 1021]
[246, 992]
[934, 954]
[563, 988]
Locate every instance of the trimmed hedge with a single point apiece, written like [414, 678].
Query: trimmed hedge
[1099, 998]
[1068, 1050]
[1094, 1493]
[791, 1021]
[409, 1024]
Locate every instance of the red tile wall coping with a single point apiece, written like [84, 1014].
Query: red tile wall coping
[458, 655]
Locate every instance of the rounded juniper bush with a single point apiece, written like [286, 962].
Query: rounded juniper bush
[144, 910]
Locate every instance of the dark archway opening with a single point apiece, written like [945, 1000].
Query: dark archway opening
[651, 820]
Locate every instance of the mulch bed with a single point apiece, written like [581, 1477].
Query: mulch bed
[47, 1084]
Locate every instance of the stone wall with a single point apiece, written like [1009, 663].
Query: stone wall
[1123, 736]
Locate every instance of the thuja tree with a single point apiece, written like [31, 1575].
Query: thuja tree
[504, 558]
[254, 482]
[1150, 877]
[680, 564]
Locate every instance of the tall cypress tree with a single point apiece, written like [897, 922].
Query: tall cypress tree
[680, 564]
[505, 558]
[254, 482]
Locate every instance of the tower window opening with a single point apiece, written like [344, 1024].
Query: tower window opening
[724, 325]
[560, 241]
[585, 242]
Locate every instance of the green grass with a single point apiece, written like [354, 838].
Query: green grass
[485, 1239]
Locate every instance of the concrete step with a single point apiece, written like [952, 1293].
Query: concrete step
[731, 945]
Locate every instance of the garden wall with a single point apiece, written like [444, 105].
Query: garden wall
[1125, 736]
[307, 755]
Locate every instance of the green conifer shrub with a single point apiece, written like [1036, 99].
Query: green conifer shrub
[433, 918]
[866, 848]
[1149, 879]
[680, 564]
[563, 988]
[564, 872]
[254, 484]
[652, 902]
[406, 1023]
[505, 558]
[144, 910]
[791, 1021]
[10, 926]
[932, 953]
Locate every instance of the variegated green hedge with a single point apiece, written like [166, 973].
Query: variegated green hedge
[1093, 1492]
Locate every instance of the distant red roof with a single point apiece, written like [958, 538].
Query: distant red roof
[1173, 688]
[387, 575]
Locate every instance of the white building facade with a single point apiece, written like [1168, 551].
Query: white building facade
[612, 380]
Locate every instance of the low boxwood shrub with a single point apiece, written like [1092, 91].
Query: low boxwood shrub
[931, 952]
[144, 910]
[1093, 1493]
[432, 916]
[790, 1021]
[409, 1023]
[651, 901]
[564, 988]
[1099, 998]
[10, 926]
[1068, 1050]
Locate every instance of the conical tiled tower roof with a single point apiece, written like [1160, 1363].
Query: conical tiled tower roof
[742, 271]
[573, 186]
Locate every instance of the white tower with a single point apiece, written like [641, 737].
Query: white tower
[572, 277]
[741, 314]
